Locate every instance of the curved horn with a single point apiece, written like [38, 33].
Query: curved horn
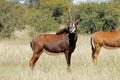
[69, 13]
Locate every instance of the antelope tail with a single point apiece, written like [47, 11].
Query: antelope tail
[31, 45]
[92, 44]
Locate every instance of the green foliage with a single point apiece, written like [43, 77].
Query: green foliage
[10, 17]
[55, 8]
[48, 17]
[97, 17]
[50, 14]
[45, 24]
[41, 23]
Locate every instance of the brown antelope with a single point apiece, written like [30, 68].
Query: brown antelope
[108, 40]
[63, 41]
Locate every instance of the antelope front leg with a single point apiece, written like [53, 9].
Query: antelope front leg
[68, 59]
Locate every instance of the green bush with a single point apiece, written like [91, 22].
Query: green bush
[97, 17]
[45, 24]
[49, 16]
[41, 23]
[10, 17]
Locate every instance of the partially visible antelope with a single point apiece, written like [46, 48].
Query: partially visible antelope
[63, 41]
[108, 40]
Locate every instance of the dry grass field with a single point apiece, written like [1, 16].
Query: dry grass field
[16, 53]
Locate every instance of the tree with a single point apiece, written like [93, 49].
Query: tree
[11, 18]
[34, 3]
[97, 17]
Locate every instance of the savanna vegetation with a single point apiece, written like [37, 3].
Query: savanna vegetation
[15, 56]
[42, 16]
[39, 16]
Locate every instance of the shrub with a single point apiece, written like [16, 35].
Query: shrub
[97, 17]
[10, 17]
[41, 23]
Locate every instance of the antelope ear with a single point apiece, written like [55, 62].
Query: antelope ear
[77, 20]
[68, 20]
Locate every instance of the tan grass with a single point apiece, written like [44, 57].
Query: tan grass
[15, 55]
